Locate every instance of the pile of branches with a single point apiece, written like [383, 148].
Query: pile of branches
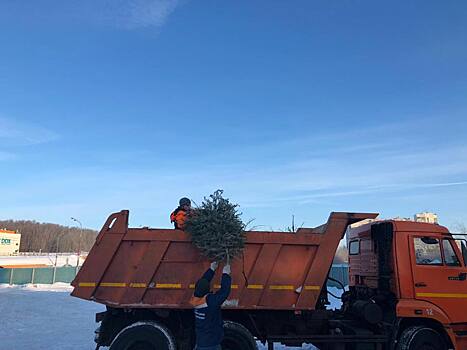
[216, 228]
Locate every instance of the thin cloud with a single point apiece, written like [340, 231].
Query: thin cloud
[314, 197]
[150, 13]
[382, 188]
[445, 184]
[18, 133]
[317, 180]
[131, 14]
[126, 14]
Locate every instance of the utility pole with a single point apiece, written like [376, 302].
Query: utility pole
[80, 238]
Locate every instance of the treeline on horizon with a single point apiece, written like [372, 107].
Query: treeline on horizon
[50, 238]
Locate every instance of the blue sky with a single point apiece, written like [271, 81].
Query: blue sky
[292, 107]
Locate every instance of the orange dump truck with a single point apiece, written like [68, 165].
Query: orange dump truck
[408, 287]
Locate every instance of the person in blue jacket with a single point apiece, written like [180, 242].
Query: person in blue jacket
[207, 308]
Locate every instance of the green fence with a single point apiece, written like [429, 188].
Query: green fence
[40, 275]
[49, 275]
[339, 272]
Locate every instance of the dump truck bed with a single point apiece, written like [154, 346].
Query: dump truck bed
[157, 268]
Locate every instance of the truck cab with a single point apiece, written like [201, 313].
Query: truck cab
[417, 274]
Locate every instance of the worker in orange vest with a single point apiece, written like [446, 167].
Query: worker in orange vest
[178, 216]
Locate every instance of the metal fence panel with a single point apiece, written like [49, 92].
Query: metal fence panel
[43, 275]
[65, 274]
[339, 272]
[21, 276]
[346, 275]
[5, 275]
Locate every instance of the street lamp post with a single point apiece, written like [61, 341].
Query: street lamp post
[80, 237]
[56, 256]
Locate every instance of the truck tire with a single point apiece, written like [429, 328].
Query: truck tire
[144, 335]
[237, 337]
[421, 338]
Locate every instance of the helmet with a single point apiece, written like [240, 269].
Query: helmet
[202, 288]
[184, 201]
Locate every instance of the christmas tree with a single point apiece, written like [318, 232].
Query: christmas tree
[216, 228]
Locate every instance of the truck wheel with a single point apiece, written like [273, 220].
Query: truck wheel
[421, 338]
[237, 337]
[144, 335]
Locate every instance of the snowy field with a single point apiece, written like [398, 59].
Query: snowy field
[65, 259]
[47, 317]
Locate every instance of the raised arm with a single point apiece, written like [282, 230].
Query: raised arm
[209, 274]
[218, 298]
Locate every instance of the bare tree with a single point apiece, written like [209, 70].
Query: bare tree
[37, 236]
[342, 255]
[460, 228]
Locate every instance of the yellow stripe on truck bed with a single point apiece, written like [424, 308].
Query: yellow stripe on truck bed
[281, 287]
[312, 287]
[218, 286]
[255, 286]
[87, 284]
[168, 285]
[112, 284]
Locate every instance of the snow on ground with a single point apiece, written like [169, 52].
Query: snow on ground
[43, 259]
[46, 317]
[56, 287]
[335, 303]
[40, 316]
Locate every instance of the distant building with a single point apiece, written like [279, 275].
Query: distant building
[427, 217]
[9, 242]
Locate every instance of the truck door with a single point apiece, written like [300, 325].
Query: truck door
[440, 275]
